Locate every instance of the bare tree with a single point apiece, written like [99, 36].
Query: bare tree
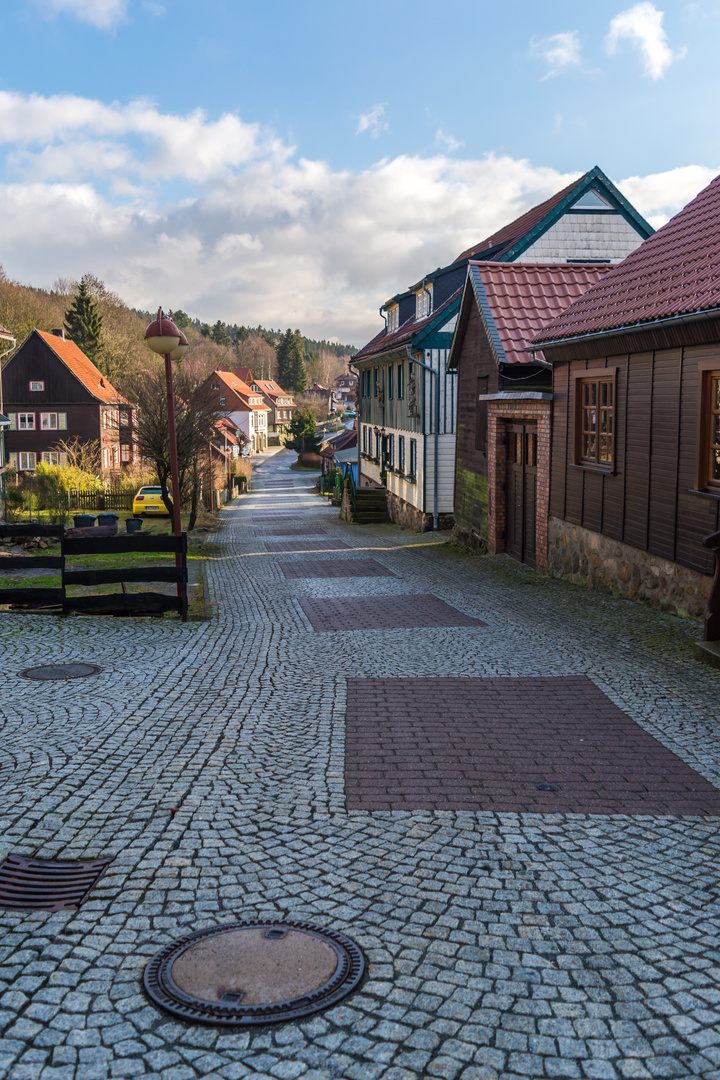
[195, 415]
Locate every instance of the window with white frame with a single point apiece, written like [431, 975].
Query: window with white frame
[53, 457]
[27, 461]
[423, 302]
[26, 422]
[393, 318]
[37, 385]
[49, 421]
[125, 452]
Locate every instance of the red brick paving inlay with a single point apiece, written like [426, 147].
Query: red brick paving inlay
[305, 545]
[486, 744]
[384, 613]
[287, 530]
[335, 568]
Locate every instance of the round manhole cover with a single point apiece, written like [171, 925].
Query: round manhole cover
[60, 671]
[254, 973]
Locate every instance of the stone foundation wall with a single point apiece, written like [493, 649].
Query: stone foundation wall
[403, 513]
[588, 558]
[469, 540]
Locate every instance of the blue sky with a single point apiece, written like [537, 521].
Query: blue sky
[296, 163]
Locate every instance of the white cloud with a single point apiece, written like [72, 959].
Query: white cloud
[373, 121]
[446, 141]
[660, 195]
[257, 235]
[560, 51]
[642, 25]
[101, 13]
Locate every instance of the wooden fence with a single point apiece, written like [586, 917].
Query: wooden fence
[122, 603]
[108, 499]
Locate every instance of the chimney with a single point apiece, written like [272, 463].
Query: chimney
[59, 333]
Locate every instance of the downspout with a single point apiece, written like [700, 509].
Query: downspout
[413, 360]
[383, 316]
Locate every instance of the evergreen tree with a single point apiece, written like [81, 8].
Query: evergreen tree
[291, 362]
[83, 323]
[219, 333]
[302, 435]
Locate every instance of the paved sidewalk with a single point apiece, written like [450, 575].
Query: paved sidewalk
[209, 760]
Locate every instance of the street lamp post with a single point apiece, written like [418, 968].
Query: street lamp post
[163, 336]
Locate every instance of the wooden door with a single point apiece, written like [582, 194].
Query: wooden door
[521, 488]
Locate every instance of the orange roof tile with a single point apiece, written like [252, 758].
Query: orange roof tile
[82, 368]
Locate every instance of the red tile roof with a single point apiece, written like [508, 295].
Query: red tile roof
[504, 239]
[271, 389]
[243, 391]
[385, 341]
[520, 298]
[674, 272]
[82, 368]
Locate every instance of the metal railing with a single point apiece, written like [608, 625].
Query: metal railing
[349, 477]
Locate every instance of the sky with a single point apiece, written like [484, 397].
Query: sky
[296, 163]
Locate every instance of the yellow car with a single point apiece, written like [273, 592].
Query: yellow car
[149, 501]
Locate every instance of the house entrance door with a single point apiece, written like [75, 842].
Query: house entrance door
[521, 491]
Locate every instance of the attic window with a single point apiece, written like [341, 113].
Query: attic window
[423, 302]
[392, 318]
[214, 386]
[592, 200]
[37, 385]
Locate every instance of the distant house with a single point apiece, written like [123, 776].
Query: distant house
[344, 390]
[280, 403]
[244, 406]
[343, 440]
[408, 399]
[502, 464]
[635, 465]
[53, 393]
[322, 394]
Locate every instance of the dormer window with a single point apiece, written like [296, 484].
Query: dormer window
[423, 302]
[393, 314]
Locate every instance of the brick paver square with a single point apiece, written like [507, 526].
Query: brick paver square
[288, 530]
[305, 545]
[509, 745]
[335, 568]
[384, 613]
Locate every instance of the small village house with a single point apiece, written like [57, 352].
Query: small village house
[635, 453]
[234, 398]
[281, 405]
[408, 404]
[53, 393]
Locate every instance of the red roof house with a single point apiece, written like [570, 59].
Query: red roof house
[635, 482]
[503, 425]
[53, 393]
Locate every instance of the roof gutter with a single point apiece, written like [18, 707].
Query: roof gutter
[672, 320]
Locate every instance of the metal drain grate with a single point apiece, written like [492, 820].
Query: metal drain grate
[60, 671]
[45, 884]
[254, 973]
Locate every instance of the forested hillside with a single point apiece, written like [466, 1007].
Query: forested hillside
[118, 347]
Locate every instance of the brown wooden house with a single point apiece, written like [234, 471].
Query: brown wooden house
[52, 394]
[502, 473]
[635, 469]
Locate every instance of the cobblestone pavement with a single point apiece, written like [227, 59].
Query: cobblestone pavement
[208, 760]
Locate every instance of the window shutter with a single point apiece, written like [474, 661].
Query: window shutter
[12, 461]
[13, 422]
[63, 457]
[62, 422]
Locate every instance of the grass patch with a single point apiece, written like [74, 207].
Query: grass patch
[305, 468]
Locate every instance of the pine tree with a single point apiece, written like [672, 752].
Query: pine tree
[302, 434]
[291, 362]
[83, 323]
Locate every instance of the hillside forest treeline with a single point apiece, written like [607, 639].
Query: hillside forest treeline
[115, 333]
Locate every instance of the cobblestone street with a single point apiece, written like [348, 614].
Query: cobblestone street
[529, 905]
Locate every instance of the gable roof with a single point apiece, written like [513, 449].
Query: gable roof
[271, 389]
[243, 373]
[672, 275]
[516, 299]
[510, 241]
[82, 368]
[239, 388]
[411, 329]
